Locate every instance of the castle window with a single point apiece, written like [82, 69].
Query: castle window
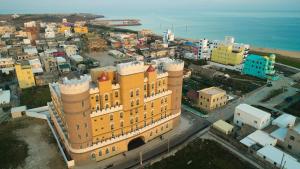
[132, 103]
[107, 151]
[106, 97]
[116, 94]
[137, 93]
[121, 115]
[122, 124]
[111, 117]
[93, 155]
[112, 127]
[131, 93]
[100, 152]
[97, 98]
[137, 102]
[113, 148]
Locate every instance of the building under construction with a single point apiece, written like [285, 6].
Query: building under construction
[95, 43]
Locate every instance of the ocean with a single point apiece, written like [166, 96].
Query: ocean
[271, 29]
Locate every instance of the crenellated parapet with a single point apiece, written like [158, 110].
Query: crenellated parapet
[75, 86]
[130, 68]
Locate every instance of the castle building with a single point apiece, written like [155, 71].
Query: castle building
[24, 74]
[260, 66]
[104, 114]
[212, 98]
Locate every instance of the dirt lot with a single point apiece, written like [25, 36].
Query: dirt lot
[28, 143]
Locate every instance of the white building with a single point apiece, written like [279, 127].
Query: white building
[285, 120]
[4, 97]
[168, 36]
[259, 137]
[246, 114]
[49, 32]
[202, 50]
[279, 158]
[36, 66]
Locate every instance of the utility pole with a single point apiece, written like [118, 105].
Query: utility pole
[168, 145]
[141, 158]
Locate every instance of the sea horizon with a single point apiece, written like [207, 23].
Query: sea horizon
[275, 29]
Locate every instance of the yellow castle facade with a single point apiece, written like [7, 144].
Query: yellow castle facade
[102, 115]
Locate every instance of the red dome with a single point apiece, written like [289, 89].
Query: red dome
[103, 77]
[151, 69]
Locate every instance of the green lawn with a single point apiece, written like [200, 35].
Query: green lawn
[289, 61]
[202, 155]
[35, 97]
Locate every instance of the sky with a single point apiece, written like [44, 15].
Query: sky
[109, 6]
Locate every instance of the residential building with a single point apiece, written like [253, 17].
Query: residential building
[223, 127]
[278, 158]
[70, 50]
[7, 29]
[212, 98]
[201, 50]
[7, 65]
[24, 74]
[97, 119]
[4, 97]
[168, 36]
[81, 29]
[63, 65]
[229, 40]
[246, 114]
[292, 140]
[260, 138]
[36, 66]
[49, 63]
[260, 66]
[225, 54]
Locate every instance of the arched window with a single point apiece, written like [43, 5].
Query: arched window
[107, 151]
[111, 117]
[100, 152]
[137, 92]
[97, 98]
[93, 155]
[106, 97]
[132, 103]
[137, 102]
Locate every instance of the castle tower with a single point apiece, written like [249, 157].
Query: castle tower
[175, 79]
[131, 77]
[76, 107]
